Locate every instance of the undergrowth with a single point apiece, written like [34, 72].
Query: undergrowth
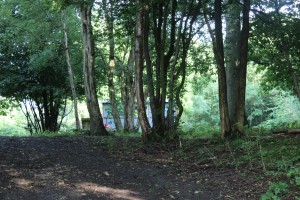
[277, 157]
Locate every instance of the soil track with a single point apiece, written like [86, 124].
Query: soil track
[74, 168]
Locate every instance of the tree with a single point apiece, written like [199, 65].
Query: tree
[128, 92]
[165, 62]
[114, 35]
[275, 44]
[96, 120]
[243, 60]
[33, 66]
[107, 7]
[70, 71]
[218, 49]
[139, 66]
[236, 70]
[232, 53]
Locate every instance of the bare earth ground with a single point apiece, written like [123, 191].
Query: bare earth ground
[83, 168]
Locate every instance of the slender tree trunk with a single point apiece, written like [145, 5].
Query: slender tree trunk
[124, 92]
[130, 94]
[54, 105]
[243, 60]
[163, 82]
[150, 81]
[70, 71]
[111, 66]
[158, 94]
[96, 120]
[157, 20]
[170, 116]
[186, 41]
[24, 109]
[46, 110]
[143, 120]
[182, 71]
[36, 119]
[218, 50]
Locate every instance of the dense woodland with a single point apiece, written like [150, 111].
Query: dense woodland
[207, 68]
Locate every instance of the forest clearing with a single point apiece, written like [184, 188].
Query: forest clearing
[150, 99]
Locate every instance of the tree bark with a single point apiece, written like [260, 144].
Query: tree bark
[167, 33]
[232, 83]
[96, 120]
[158, 87]
[70, 71]
[170, 116]
[218, 49]
[236, 64]
[232, 54]
[143, 120]
[128, 93]
[130, 86]
[150, 80]
[111, 65]
[243, 60]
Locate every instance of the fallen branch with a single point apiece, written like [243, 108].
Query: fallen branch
[287, 131]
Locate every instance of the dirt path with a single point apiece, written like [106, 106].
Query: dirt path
[71, 168]
[68, 168]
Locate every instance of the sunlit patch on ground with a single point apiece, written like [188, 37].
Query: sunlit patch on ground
[113, 192]
[22, 183]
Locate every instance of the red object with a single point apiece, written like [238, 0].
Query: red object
[106, 125]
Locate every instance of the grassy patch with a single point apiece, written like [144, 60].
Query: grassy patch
[12, 130]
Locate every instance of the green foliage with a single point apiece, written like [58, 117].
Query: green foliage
[69, 133]
[201, 116]
[33, 67]
[272, 110]
[294, 174]
[13, 123]
[5, 106]
[265, 110]
[275, 44]
[276, 191]
[62, 4]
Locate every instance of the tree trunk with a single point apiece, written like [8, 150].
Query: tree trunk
[218, 49]
[236, 64]
[232, 54]
[130, 96]
[170, 115]
[96, 120]
[54, 105]
[232, 88]
[111, 66]
[158, 87]
[163, 81]
[150, 80]
[70, 71]
[143, 120]
[243, 60]
[128, 93]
